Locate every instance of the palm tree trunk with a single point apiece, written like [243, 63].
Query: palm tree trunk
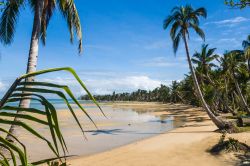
[32, 59]
[248, 64]
[218, 122]
[226, 100]
[242, 98]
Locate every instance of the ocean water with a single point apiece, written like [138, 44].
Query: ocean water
[123, 125]
[59, 104]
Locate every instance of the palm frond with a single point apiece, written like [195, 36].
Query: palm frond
[8, 20]
[210, 52]
[49, 6]
[174, 29]
[70, 13]
[201, 12]
[176, 42]
[15, 151]
[34, 91]
[167, 21]
[198, 30]
[182, 18]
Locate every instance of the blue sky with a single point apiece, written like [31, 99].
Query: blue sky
[125, 47]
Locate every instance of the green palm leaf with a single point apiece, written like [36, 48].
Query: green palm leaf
[34, 91]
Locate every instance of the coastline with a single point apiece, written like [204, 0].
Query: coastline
[186, 145]
[124, 125]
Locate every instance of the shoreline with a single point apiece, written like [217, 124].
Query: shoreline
[187, 144]
[124, 126]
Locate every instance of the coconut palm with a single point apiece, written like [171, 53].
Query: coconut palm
[233, 66]
[43, 11]
[181, 20]
[211, 87]
[204, 60]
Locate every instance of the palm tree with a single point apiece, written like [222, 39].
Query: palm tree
[182, 19]
[43, 11]
[204, 60]
[233, 65]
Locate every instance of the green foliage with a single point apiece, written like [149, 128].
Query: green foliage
[238, 3]
[181, 20]
[8, 20]
[205, 59]
[35, 91]
[177, 92]
[161, 94]
[11, 10]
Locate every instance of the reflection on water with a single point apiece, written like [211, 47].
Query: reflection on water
[123, 126]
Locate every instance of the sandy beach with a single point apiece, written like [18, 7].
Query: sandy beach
[125, 123]
[186, 145]
[138, 134]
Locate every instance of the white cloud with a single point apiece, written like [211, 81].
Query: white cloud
[230, 22]
[157, 45]
[233, 42]
[108, 84]
[122, 84]
[163, 62]
[2, 87]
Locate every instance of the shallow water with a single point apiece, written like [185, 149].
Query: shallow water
[122, 126]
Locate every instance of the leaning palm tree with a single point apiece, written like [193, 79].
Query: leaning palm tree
[182, 19]
[43, 11]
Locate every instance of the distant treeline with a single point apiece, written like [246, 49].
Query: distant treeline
[175, 93]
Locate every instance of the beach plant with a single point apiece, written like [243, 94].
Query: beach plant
[181, 20]
[43, 11]
[37, 91]
[229, 145]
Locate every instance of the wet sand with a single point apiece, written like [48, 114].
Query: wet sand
[124, 125]
[186, 145]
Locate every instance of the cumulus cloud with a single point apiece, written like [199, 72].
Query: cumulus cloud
[230, 22]
[108, 84]
[126, 84]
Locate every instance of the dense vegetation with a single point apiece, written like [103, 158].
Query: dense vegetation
[175, 93]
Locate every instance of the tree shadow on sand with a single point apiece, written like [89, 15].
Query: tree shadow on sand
[244, 159]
